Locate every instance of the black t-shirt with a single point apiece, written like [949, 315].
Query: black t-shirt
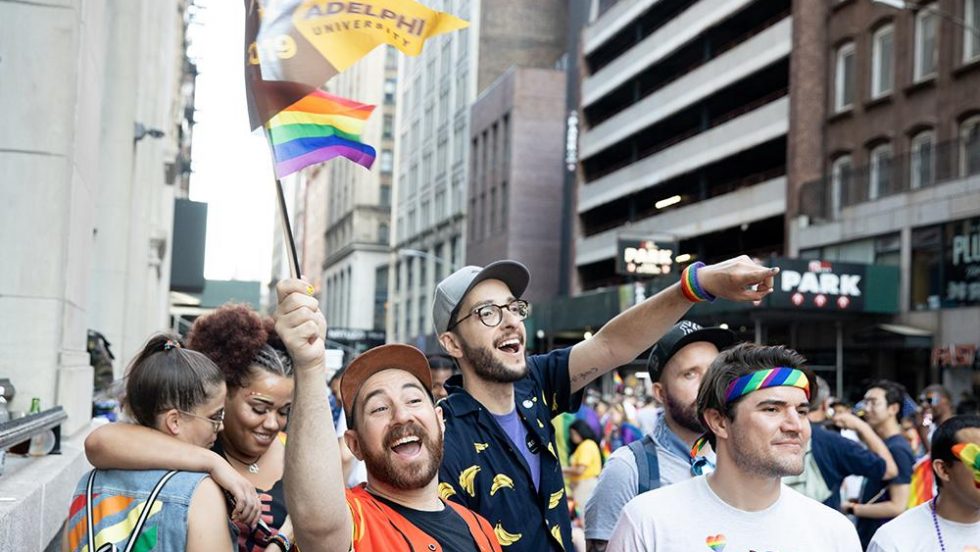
[273, 514]
[447, 527]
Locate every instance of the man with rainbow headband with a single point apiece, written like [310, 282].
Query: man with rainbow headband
[753, 403]
[951, 520]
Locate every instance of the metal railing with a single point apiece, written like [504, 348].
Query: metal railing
[822, 199]
[20, 431]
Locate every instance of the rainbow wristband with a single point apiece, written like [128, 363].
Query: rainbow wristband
[691, 287]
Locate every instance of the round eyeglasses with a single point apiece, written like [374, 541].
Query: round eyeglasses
[215, 421]
[491, 315]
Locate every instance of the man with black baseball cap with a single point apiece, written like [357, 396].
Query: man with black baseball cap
[676, 365]
[500, 457]
[394, 427]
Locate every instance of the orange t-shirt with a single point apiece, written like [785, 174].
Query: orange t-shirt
[378, 527]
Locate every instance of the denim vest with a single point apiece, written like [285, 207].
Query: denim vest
[118, 499]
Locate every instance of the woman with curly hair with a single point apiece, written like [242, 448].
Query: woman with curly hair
[259, 376]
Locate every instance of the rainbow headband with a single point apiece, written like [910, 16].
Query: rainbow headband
[780, 376]
[969, 454]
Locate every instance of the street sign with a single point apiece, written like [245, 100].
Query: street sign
[644, 257]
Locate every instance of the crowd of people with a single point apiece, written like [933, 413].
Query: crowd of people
[732, 446]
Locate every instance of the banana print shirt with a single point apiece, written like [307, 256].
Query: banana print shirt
[484, 470]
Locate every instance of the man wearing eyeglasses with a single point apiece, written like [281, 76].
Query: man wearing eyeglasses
[500, 459]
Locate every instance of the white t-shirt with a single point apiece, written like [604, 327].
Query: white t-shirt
[915, 531]
[690, 516]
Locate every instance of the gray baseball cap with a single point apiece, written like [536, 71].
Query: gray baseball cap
[451, 291]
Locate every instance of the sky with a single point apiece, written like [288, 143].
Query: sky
[232, 169]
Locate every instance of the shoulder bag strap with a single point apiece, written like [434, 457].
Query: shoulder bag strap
[147, 506]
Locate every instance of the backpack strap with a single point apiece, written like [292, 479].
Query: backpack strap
[647, 464]
[144, 514]
[147, 506]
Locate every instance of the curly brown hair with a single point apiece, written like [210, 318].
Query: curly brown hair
[235, 337]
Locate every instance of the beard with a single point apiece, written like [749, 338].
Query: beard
[381, 464]
[489, 368]
[683, 415]
[758, 463]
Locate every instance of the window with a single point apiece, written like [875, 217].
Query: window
[926, 268]
[389, 89]
[503, 205]
[971, 31]
[472, 217]
[413, 180]
[970, 146]
[384, 193]
[446, 57]
[426, 169]
[888, 250]
[387, 161]
[880, 168]
[457, 193]
[388, 127]
[440, 203]
[926, 37]
[921, 160]
[391, 58]
[408, 317]
[840, 183]
[444, 106]
[844, 77]
[462, 41]
[493, 209]
[442, 153]
[882, 61]
[459, 141]
[461, 92]
[380, 296]
[383, 233]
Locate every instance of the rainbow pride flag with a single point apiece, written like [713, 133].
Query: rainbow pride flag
[921, 486]
[617, 379]
[318, 128]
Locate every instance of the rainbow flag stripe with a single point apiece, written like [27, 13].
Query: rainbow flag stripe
[921, 485]
[318, 128]
[762, 379]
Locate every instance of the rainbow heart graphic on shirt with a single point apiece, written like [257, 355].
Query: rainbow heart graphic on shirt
[716, 542]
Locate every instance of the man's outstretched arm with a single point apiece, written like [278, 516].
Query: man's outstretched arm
[634, 330]
[313, 476]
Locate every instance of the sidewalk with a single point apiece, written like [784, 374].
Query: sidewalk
[34, 495]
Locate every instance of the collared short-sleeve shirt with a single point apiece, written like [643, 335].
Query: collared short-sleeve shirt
[484, 471]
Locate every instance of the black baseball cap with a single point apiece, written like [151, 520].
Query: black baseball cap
[684, 333]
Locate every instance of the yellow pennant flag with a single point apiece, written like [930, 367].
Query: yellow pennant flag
[344, 32]
[294, 46]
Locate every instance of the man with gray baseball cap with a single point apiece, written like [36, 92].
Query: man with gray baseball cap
[500, 458]
[676, 366]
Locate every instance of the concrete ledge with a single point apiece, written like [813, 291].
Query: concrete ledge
[40, 489]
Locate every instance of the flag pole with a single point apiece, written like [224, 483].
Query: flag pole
[287, 229]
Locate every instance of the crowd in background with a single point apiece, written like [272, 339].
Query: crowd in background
[478, 448]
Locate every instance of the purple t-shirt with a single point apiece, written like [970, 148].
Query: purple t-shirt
[512, 426]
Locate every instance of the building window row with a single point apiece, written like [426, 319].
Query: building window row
[925, 163]
[925, 53]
